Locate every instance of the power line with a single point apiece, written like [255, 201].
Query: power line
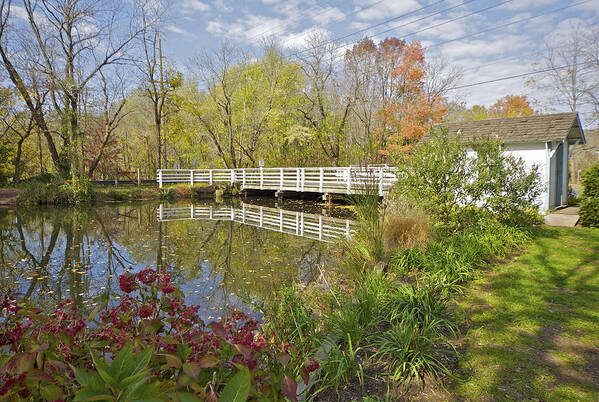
[437, 25]
[385, 22]
[509, 23]
[517, 76]
[345, 16]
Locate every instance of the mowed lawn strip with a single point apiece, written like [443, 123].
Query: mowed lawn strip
[534, 323]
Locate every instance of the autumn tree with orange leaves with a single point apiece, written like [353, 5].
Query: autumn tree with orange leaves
[511, 106]
[416, 106]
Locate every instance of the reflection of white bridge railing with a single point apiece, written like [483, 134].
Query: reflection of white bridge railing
[328, 180]
[312, 226]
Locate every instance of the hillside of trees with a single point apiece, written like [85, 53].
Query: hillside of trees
[82, 100]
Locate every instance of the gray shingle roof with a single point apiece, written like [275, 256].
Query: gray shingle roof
[539, 128]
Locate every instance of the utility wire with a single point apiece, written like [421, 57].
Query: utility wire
[510, 23]
[337, 39]
[518, 76]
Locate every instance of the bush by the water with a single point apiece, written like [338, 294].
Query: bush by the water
[589, 204]
[41, 192]
[441, 178]
[149, 346]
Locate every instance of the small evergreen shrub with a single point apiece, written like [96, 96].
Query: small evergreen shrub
[589, 204]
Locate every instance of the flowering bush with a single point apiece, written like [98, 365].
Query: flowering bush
[151, 345]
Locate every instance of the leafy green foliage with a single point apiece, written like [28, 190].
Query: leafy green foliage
[441, 178]
[589, 205]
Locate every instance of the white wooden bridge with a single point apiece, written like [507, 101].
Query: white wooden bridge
[302, 224]
[326, 180]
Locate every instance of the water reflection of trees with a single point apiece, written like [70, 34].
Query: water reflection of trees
[48, 254]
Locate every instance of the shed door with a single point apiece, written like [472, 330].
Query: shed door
[559, 171]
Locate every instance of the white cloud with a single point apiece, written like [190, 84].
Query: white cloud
[326, 15]
[527, 4]
[18, 12]
[299, 40]
[178, 30]
[194, 5]
[249, 28]
[376, 10]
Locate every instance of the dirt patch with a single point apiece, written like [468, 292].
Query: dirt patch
[8, 197]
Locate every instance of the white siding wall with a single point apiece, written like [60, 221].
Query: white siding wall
[532, 154]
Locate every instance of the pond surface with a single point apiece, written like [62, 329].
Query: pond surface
[220, 254]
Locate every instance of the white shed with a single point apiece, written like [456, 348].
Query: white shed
[545, 140]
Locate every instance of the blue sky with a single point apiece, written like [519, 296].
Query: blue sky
[199, 24]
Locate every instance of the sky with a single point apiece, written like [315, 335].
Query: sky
[450, 29]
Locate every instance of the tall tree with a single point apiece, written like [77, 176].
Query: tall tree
[67, 42]
[413, 108]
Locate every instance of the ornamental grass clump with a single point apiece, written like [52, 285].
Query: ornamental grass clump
[149, 346]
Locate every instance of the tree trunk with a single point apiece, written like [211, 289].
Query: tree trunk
[17, 162]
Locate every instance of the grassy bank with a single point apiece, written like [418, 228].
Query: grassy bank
[533, 330]
[53, 193]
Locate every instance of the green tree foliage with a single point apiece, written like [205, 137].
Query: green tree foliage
[248, 110]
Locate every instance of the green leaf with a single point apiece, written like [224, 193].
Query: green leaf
[238, 388]
[121, 363]
[187, 397]
[51, 392]
[173, 361]
[104, 371]
[141, 361]
[86, 377]
[183, 351]
[134, 379]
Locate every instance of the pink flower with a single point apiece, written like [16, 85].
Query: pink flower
[166, 285]
[147, 276]
[127, 282]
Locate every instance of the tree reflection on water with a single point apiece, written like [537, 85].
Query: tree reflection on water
[48, 254]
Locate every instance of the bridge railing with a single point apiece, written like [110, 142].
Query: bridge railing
[302, 224]
[336, 180]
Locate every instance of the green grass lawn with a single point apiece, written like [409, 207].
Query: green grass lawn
[533, 329]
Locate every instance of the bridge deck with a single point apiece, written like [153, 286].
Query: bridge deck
[327, 180]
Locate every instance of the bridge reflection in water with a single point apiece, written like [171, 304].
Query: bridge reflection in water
[311, 226]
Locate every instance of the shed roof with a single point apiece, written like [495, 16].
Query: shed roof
[538, 128]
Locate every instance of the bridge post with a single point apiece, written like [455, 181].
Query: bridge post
[159, 178]
[381, 172]
[232, 176]
[210, 174]
[297, 179]
[243, 179]
[191, 211]
[348, 178]
[321, 181]
[191, 177]
[160, 212]
[281, 178]
[303, 178]
[319, 227]
[261, 178]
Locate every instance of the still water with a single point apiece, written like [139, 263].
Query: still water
[220, 254]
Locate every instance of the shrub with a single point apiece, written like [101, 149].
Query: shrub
[589, 205]
[442, 179]
[589, 211]
[150, 343]
[590, 181]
